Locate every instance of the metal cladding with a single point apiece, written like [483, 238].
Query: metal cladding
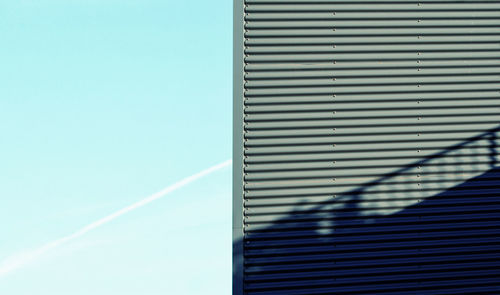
[370, 147]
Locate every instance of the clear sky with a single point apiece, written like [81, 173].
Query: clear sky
[102, 103]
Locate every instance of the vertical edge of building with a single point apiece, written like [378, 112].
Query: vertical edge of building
[238, 90]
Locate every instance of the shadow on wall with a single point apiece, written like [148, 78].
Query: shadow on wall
[432, 227]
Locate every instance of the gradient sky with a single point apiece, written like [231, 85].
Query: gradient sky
[102, 103]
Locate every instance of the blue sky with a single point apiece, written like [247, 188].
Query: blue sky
[103, 103]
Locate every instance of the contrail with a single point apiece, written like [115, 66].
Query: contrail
[11, 263]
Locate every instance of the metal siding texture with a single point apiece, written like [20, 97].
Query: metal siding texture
[371, 147]
[238, 139]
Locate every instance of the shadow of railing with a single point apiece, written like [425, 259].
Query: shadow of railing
[431, 227]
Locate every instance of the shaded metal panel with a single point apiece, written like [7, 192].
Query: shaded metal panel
[238, 89]
[371, 146]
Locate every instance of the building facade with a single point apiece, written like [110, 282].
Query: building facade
[366, 147]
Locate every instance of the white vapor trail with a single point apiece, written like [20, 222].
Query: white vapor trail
[16, 261]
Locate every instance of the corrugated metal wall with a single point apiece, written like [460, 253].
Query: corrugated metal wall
[371, 147]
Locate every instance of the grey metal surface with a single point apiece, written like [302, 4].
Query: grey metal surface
[238, 89]
[369, 161]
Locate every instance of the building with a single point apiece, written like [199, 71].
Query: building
[366, 147]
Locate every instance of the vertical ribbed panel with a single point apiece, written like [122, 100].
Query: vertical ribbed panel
[371, 147]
